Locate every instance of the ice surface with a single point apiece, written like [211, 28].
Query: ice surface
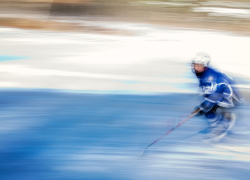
[53, 135]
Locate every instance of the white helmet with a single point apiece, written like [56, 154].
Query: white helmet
[202, 58]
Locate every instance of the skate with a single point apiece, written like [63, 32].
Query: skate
[229, 121]
[221, 129]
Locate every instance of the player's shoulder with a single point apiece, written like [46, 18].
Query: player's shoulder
[214, 72]
[221, 77]
[210, 75]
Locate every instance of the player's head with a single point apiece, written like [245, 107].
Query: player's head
[200, 62]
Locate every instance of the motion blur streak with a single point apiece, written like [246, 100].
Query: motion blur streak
[86, 85]
[72, 136]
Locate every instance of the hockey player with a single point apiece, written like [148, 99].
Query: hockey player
[219, 96]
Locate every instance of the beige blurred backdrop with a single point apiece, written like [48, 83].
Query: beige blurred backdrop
[38, 14]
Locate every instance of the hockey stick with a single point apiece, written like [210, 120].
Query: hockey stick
[194, 113]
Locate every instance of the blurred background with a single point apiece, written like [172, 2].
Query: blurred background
[143, 46]
[39, 14]
[86, 85]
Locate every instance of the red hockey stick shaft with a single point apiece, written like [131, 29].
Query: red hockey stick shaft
[171, 130]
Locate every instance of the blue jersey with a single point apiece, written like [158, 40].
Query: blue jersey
[218, 89]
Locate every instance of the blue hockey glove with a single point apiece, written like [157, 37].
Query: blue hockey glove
[206, 106]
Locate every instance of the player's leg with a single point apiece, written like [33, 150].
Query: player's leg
[215, 123]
